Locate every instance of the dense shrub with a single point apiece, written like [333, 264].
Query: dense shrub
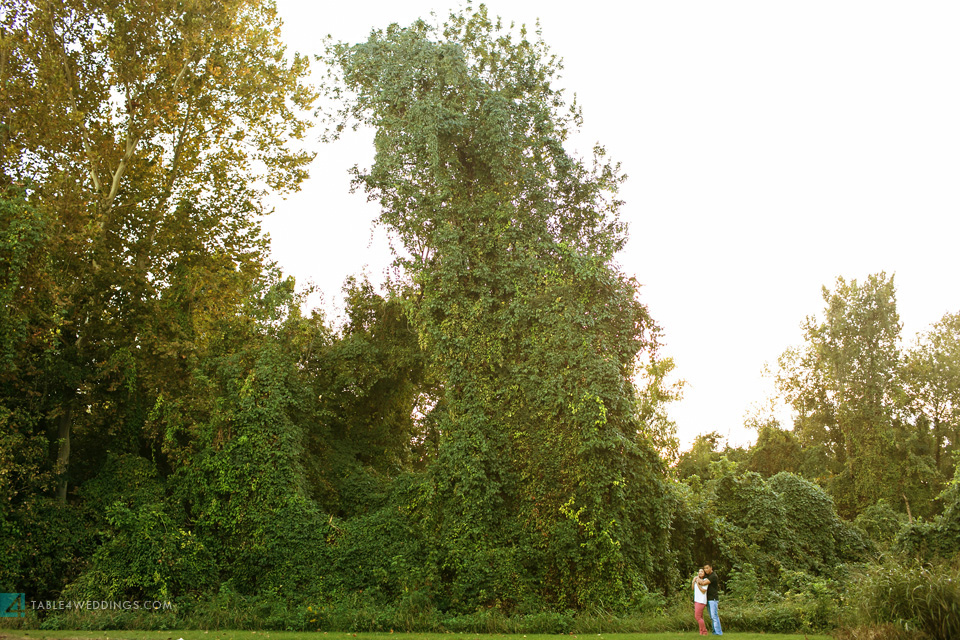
[814, 532]
[146, 550]
[42, 544]
[881, 523]
[939, 538]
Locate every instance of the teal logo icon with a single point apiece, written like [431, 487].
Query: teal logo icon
[13, 605]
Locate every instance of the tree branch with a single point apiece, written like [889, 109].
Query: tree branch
[71, 80]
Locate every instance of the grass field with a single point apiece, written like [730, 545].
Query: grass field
[14, 634]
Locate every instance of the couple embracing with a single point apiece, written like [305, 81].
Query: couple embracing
[705, 593]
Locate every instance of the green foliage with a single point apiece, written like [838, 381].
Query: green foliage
[775, 450]
[145, 553]
[872, 422]
[232, 508]
[245, 485]
[368, 382]
[470, 451]
[765, 537]
[137, 143]
[24, 234]
[26, 521]
[44, 544]
[951, 502]
[939, 538]
[695, 539]
[142, 137]
[932, 383]
[655, 395]
[698, 459]
[915, 597]
[382, 553]
[881, 523]
[751, 521]
[816, 536]
[542, 485]
[493, 621]
[843, 386]
[877, 632]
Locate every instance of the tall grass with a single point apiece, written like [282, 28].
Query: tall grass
[806, 610]
[911, 596]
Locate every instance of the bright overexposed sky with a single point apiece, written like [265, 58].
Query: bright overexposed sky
[770, 147]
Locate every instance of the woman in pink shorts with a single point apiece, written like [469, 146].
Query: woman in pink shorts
[699, 601]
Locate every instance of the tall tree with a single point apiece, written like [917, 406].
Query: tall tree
[845, 386]
[131, 126]
[543, 481]
[932, 375]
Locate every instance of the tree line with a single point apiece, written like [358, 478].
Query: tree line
[875, 422]
[488, 433]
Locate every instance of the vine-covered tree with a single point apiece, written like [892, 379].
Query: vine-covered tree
[543, 483]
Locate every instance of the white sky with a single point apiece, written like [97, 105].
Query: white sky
[771, 147]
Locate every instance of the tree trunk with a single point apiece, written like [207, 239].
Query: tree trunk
[938, 439]
[63, 454]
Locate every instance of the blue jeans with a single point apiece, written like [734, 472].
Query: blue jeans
[715, 617]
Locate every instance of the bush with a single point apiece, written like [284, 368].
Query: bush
[146, 552]
[881, 523]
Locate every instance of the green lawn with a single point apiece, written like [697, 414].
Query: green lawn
[11, 634]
